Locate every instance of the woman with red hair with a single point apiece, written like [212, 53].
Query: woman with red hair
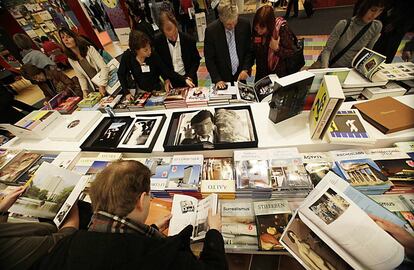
[273, 43]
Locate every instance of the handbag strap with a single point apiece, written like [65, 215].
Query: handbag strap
[350, 44]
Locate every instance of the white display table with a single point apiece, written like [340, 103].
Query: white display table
[293, 132]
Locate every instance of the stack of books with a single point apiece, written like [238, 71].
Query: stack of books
[176, 98]
[222, 97]
[198, 97]
[63, 104]
[110, 101]
[155, 101]
[218, 177]
[139, 101]
[90, 101]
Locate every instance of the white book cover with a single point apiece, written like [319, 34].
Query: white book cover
[74, 127]
[386, 153]
[64, 159]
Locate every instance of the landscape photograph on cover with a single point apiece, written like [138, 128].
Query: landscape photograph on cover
[362, 172]
[252, 174]
[184, 176]
[270, 229]
[17, 166]
[329, 207]
[141, 132]
[310, 249]
[111, 135]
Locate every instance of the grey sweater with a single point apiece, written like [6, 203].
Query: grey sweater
[335, 44]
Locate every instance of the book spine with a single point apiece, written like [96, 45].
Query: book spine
[323, 123]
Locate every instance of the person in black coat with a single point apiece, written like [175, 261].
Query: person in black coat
[178, 50]
[145, 66]
[226, 61]
[118, 238]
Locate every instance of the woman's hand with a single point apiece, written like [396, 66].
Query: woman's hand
[189, 82]
[102, 90]
[167, 85]
[274, 44]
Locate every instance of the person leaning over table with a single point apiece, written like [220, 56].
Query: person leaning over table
[367, 13]
[55, 78]
[22, 244]
[178, 50]
[118, 238]
[227, 46]
[145, 66]
[85, 60]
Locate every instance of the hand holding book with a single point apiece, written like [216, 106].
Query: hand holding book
[7, 201]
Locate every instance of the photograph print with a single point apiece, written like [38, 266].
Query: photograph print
[234, 126]
[141, 132]
[195, 127]
[330, 206]
[110, 136]
[246, 92]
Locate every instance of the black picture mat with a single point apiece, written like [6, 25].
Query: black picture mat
[173, 126]
[87, 145]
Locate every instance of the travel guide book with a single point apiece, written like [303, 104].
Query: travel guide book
[218, 128]
[50, 194]
[319, 235]
[238, 225]
[347, 127]
[327, 102]
[289, 94]
[187, 210]
[271, 219]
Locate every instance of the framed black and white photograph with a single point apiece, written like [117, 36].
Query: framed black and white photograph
[141, 132]
[221, 128]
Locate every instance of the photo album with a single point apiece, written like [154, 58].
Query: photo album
[319, 235]
[218, 128]
[187, 210]
[125, 134]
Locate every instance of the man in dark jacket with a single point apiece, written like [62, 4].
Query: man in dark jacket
[227, 46]
[119, 239]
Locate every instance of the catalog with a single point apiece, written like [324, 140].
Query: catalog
[319, 235]
[50, 194]
[187, 210]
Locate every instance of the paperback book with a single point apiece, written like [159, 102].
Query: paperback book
[317, 164]
[17, 166]
[406, 147]
[252, 169]
[185, 173]
[187, 210]
[271, 220]
[218, 177]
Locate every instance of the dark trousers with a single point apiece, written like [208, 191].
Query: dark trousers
[295, 4]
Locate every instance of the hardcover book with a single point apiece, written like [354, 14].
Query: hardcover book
[18, 166]
[387, 114]
[252, 169]
[218, 177]
[312, 236]
[7, 155]
[407, 147]
[220, 128]
[185, 172]
[90, 100]
[347, 127]
[327, 102]
[187, 210]
[317, 164]
[271, 220]
[74, 127]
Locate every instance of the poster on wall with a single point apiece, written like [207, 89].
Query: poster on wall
[118, 19]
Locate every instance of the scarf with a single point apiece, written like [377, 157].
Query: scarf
[104, 222]
[272, 56]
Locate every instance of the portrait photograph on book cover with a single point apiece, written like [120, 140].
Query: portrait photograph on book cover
[309, 249]
[329, 206]
[219, 128]
[128, 134]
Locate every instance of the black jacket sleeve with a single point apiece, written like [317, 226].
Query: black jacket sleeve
[165, 72]
[124, 72]
[248, 58]
[194, 56]
[210, 55]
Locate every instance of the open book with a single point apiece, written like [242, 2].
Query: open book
[330, 230]
[187, 210]
[261, 91]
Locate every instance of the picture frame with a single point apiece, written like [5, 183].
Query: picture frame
[137, 133]
[222, 135]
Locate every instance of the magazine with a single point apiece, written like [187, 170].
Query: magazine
[50, 194]
[324, 218]
[187, 210]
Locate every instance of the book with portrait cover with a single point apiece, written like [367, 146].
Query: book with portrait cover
[125, 134]
[187, 210]
[347, 127]
[218, 128]
[319, 235]
[271, 219]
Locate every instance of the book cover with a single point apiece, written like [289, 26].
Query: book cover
[139, 101]
[289, 94]
[50, 194]
[238, 225]
[17, 166]
[367, 62]
[387, 114]
[74, 127]
[159, 166]
[347, 127]
[271, 220]
[198, 95]
[327, 102]
[185, 172]
[7, 155]
[246, 93]
[264, 89]
[90, 100]
[110, 101]
[407, 147]
[317, 164]
[67, 105]
[252, 169]
[176, 94]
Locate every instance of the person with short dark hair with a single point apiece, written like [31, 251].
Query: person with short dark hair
[56, 79]
[342, 35]
[145, 66]
[86, 61]
[118, 238]
[202, 128]
[178, 50]
[31, 56]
